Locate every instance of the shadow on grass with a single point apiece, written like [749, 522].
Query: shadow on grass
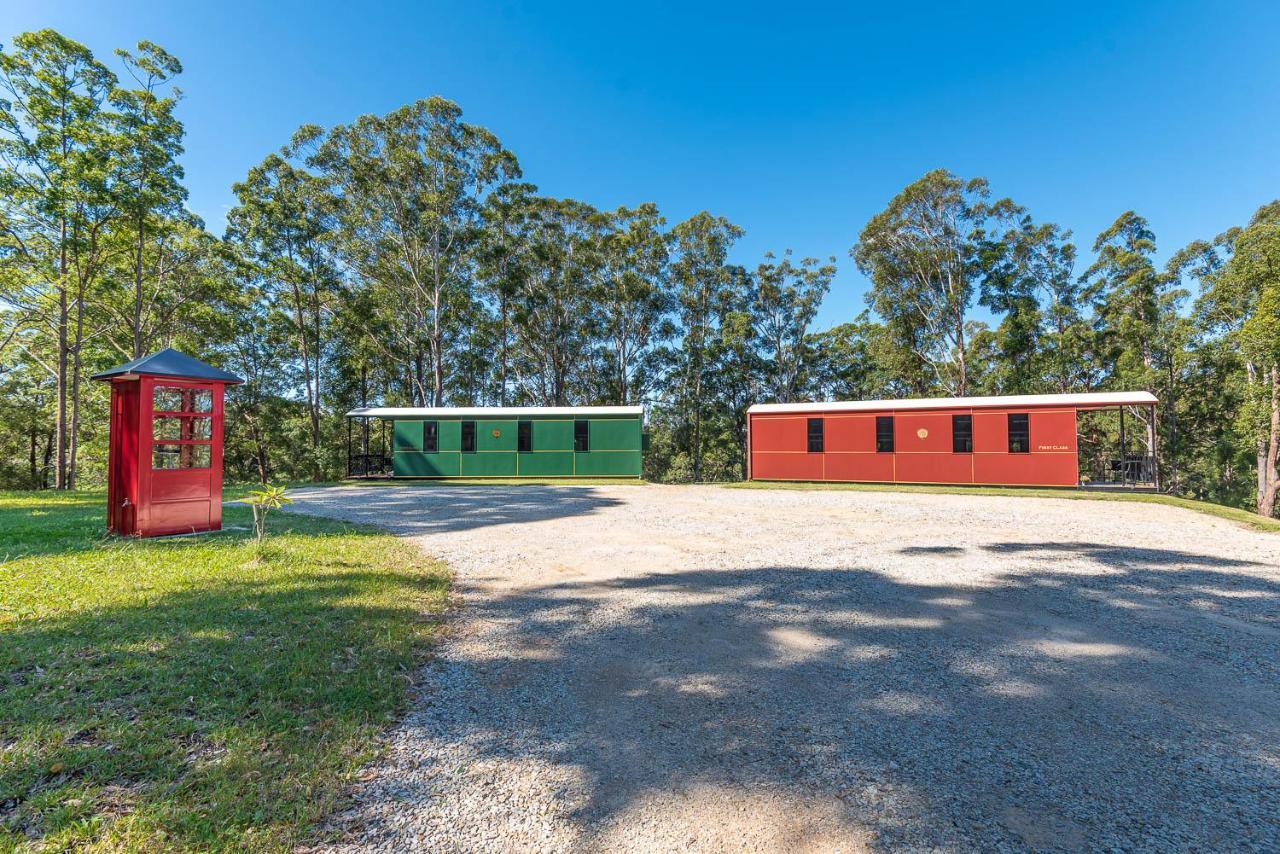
[1056, 709]
[223, 711]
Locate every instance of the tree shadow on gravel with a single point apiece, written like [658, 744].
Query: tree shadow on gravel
[1055, 709]
[931, 550]
[416, 511]
[1123, 556]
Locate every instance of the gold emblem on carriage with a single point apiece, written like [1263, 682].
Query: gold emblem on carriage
[922, 433]
[497, 434]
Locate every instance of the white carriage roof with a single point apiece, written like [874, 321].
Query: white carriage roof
[1087, 400]
[489, 411]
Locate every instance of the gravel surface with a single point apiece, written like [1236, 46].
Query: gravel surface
[697, 668]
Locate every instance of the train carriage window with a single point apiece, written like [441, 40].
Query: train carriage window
[581, 437]
[884, 434]
[430, 437]
[524, 436]
[815, 435]
[1019, 433]
[962, 434]
[468, 437]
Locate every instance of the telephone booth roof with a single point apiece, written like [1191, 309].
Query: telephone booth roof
[170, 363]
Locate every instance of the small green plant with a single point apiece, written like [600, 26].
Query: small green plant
[263, 501]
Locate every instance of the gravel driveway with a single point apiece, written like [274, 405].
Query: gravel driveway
[649, 667]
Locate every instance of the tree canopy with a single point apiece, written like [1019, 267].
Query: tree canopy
[405, 259]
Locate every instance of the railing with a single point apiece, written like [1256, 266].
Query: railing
[369, 465]
[1135, 470]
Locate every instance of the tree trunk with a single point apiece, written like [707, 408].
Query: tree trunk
[74, 429]
[1172, 409]
[313, 403]
[437, 365]
[137, 290]
[697, 442]
[260, 454]
[502, 368]
[622, 373]
[60, 422]
[319, 358]
[697, 422]
[1269, 452]
[35, 484]
[49, 442]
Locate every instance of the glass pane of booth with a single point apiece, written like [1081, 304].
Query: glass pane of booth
[179, 457]
[168, 398]
[176, 427]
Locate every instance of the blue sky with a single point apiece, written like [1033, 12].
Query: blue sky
[796, 121]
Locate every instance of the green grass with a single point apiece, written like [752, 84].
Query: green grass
[1231, 514]
[184, 694]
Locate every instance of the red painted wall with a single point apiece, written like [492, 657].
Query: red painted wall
[922, 448]
[147, 502]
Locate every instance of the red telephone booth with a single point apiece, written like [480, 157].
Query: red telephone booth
[164, 472]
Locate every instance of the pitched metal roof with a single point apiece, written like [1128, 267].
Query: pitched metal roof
[1083, 401]
[170, 363]
[489, 411]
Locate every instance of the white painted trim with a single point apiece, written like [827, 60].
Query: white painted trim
[490, 411]
[1104, 398]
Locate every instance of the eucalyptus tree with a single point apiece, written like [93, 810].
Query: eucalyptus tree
[1127, 292]
[26, 437]
[282, 226]
[56, 204]
[411, 187]
[181, 282]
[1132, 303]
[700, 276]
[151, 193]
[560, 264]
[631, 296]
[1199, 377]
[787, 297]
[1043, 341]
[927, 255]
[1010, 291]
[500, 272]
[848, 363]
[738, 374]
[472, 375]
[1066, 358]
[1240, 305]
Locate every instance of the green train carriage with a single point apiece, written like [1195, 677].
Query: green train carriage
[497, 442]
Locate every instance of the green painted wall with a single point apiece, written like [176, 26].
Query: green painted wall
[407, 436]
[552, 435]
[546, 464]
[615, 449]
[425, 465]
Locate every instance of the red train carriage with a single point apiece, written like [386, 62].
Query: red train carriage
[1017, 440]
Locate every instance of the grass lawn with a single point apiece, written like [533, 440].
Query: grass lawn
[181, 693]
[1231, 514]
